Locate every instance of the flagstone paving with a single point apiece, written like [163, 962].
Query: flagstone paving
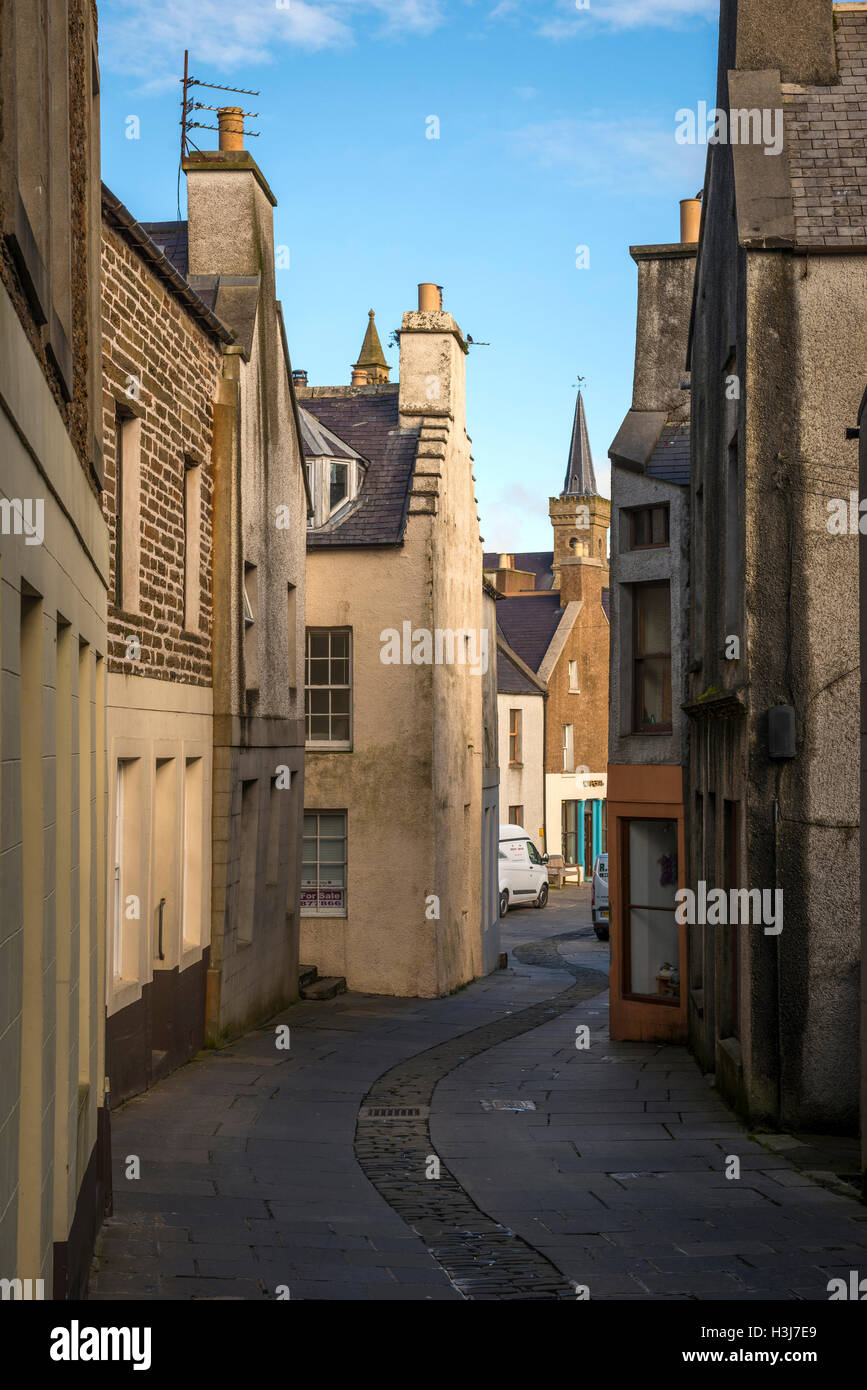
[260, 1176]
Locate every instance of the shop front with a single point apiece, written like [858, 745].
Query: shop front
[646, 861]
[576, 803]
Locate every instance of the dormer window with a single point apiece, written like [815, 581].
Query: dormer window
[334, 484]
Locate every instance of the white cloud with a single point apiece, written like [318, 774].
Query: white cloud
[509, 520]
[568, 21]
[622, 156]
[147, 38]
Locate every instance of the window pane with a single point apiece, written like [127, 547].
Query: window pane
[653, 948]
[332, 851]
[338, 483]
[660, 525]
[653, 863]
[319, 726]
[332, 825]
[653, 680]
[318, 643]
[340, 644]
[641, 530]
[339, 671]
[332, 876]
[340, 727]
[309, 825]
[652, 608]
[318, 674]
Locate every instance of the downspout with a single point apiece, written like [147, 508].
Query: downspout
[544, 760]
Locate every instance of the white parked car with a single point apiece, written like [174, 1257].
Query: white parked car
[523, 870]
[599, 897]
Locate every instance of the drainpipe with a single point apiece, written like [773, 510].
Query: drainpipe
[544, 757]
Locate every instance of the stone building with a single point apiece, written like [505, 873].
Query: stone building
[401, 758]
[54, 1132]
[254, 610]
[777, 352]
[554, 615]
[490, 786]
[162, 365]
[648, 732]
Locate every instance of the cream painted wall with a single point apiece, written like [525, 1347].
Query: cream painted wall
[412, 785]
[384, 944]
[146, 720]
[52, 1058]
[524, 786]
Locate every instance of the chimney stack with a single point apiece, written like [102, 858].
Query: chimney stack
[690, 220]
[430, 298]
[231, 122]
[299, 377]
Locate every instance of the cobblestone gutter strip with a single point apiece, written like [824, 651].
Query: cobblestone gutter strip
[483, 1259]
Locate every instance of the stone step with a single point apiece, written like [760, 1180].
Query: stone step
[306, 975]
[325, 988]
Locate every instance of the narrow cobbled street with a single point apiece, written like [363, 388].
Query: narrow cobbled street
[268, 1173]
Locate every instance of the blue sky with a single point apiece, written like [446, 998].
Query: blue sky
[556, 130]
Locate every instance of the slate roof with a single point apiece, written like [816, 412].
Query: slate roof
[367, 421]
[580, 477]
[171, 238]
[320, 442]
[826, 139]
[538, 562]
[670, 459]
[511, 679]
[528, 625]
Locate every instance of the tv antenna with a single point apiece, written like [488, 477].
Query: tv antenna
[188, 106]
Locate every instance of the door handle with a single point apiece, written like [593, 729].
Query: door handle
[160, 955]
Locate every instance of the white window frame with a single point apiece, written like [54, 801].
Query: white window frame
[326, 911]
[327, 745]
[319, 474]
[568, 747]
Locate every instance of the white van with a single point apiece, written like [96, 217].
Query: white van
[599, 897]
[523, 870]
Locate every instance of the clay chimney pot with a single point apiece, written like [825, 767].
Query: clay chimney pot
[231, 122]
[430, 298]
[690, 220]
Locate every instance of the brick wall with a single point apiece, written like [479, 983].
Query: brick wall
[149, 335]
[587, 643]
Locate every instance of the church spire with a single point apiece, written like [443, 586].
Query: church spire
[371, 366]
[580, 477]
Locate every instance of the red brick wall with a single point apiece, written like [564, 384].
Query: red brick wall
[588, 712]
[149, 334]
